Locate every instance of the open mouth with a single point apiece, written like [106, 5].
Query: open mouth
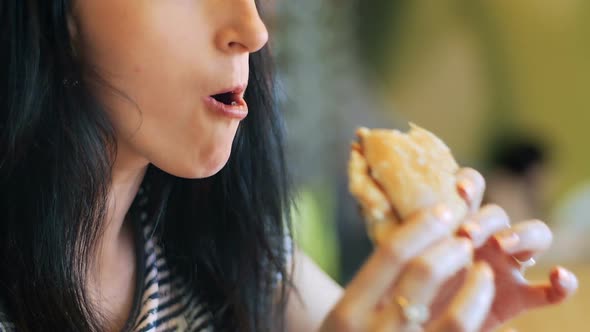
[228, 98]
[229, 102]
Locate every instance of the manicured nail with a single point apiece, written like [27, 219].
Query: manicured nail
[565, 278]
[508, 241]
[562, 278]
[471, 229]
[467, 188]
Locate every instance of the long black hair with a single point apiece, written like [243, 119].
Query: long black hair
[226, 233]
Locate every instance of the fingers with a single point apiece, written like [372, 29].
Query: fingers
[562, 285]
[470, 308]
[423, 277]
[385, 264]
[426, 274]
[525, 239]
[482, 225]
[471, 186]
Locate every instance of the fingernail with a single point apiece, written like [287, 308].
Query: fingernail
[565, 278]
[471, 229]
[467, 188]
[562, 278]
[508, 241]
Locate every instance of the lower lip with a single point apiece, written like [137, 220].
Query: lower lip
[238, 111]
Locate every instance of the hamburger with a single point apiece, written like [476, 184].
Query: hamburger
[394, 174]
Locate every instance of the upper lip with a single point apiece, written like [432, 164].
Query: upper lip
[238, 89]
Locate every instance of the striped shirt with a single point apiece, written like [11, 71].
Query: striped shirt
[168, 303]
[164, 302]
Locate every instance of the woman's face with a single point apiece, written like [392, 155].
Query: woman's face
[169, 57]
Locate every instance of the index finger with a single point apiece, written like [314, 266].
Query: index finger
[384, 265]
[471, 186]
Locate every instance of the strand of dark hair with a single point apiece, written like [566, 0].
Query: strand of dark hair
[226, 233]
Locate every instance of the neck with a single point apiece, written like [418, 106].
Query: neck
[112, 280]
[127, 176]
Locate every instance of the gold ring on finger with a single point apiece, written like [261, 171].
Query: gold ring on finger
[414, 314]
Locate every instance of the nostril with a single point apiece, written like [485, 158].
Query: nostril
[237, 46]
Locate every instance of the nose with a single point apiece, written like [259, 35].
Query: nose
[243, 31]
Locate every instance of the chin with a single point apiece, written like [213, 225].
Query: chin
[198, 161]
[201, 168]
[212, 168]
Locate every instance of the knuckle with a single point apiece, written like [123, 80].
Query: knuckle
[433, 269]
[465, 246]
[341, 319]
[457, 257]
[422, 268]
[392, 252]
[452, 323]
[434, 226]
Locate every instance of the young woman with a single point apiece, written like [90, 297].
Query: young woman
[136, 195]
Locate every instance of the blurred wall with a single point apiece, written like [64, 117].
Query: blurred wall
[467, 70]
[470, 70]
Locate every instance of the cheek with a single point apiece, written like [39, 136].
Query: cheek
[172, 129]
[115, 34]
[159, 55]
[186, 143]
[185, 149]
[162, 119]
[207, 148]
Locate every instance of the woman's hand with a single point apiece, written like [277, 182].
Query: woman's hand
[404, 275]
[504, 248]
[422, 265]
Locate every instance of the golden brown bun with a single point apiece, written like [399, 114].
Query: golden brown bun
[394, 174]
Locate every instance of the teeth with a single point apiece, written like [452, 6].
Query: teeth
[234, 103]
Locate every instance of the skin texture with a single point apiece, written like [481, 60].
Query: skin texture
[165, 56]
[478, 298]
[159, 60]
